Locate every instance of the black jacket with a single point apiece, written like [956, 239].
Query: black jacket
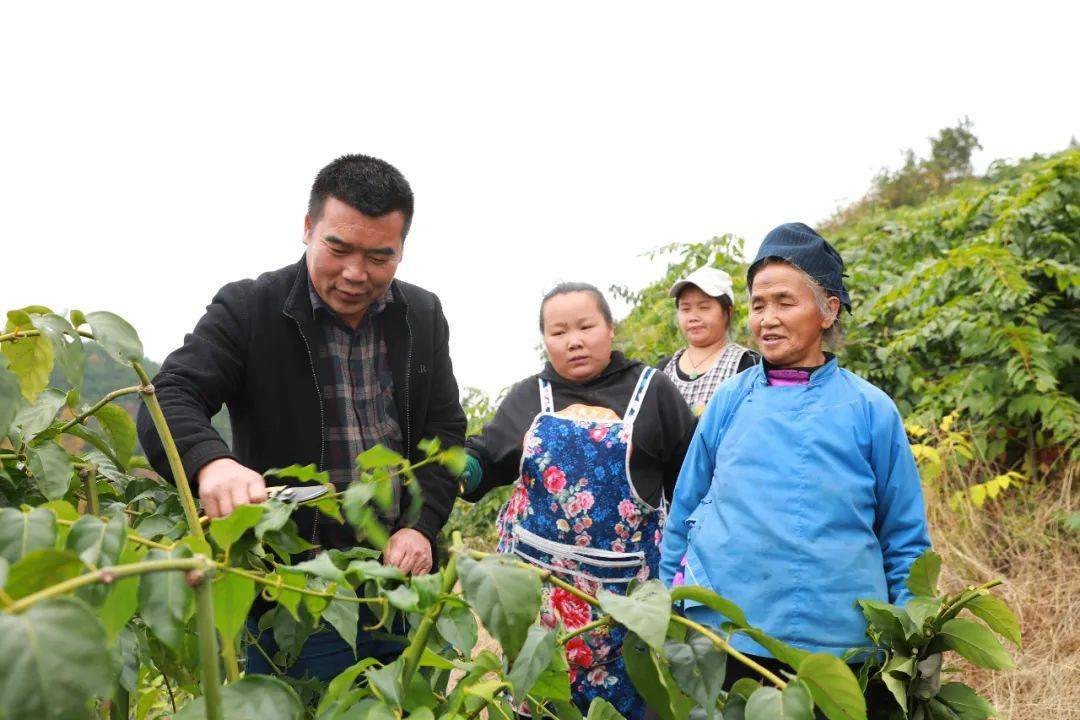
[253, 351]
[662, 431]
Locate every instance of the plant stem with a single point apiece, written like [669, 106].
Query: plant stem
[423, 631]
[109, 574]
[718, 641]
[15, 335]
[722, 644]
[228, 655]
[187, 500]
[80, 419]
[139, 539]
[585, 628]
[89, 477]
[303, 591]
[208, 654]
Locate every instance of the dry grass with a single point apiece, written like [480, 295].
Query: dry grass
[1018, 538]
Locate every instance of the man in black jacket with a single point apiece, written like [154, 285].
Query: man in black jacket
[317, 362]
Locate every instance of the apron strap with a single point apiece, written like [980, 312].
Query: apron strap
[639, 395]
[547, 403]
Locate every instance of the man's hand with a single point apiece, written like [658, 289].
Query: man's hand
[225, 484]
[409, 551]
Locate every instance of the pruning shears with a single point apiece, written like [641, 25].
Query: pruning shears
[290, 495]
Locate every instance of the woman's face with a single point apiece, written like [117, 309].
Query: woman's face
[577, 337]
[785, 318]
[701, 317]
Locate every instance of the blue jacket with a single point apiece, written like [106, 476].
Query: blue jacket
[794, 502]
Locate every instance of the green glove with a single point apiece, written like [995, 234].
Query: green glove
[472, 474]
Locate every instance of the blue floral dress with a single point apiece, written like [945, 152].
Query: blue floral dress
[574, 510]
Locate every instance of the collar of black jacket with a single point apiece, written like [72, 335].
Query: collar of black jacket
[618, 364]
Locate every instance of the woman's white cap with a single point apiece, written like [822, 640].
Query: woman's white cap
[712, 281]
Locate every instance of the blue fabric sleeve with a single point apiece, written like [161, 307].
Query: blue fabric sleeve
[900, 521]
[694, 482]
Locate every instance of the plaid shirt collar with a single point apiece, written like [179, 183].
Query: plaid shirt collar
[319, 306]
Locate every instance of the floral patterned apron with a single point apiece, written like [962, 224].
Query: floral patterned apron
[575, 511]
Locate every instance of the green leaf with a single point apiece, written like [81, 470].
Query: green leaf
[921, 609]
[454, 459]
[706, 597]
[896, 685]
[924, 573]
[344, 616]
[457, 625]
[123, 598]
[303, 473]
[53, 659]
[379, 457]
[975, 643]
[227, 530]
[319, 566]
[38, 569]
[652, 680]
[534, 658]
[164, 599]
[965, 702]
[890, 621]
[22, 532]
[403, 598]
[98, 543]
[995, 613]
[833, 686]
[646, 611]
[252, 697]
[233, 596]
[360, 570]
[778, 649]
[9, 398]
[768, 703]
[341, 684]
[114, 334]
[289, 599]
[120, 429]
[601, 709]
[504, 596]
[698, 667]
[30, 358]
[70, 355]
[275, 515]
[387, 682]
[32, 419]
[52, 468]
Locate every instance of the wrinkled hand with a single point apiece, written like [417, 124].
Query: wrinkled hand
[409, 551]
[225, 484]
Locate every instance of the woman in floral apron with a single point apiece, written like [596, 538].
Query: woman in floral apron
[593, 445]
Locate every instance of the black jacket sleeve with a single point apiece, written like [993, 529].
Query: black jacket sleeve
[676, 424]
[498, 446]
[196, 380]
[446, 421]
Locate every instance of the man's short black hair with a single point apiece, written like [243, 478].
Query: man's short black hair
[364, 183]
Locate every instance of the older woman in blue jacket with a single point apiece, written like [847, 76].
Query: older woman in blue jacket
[799, 493]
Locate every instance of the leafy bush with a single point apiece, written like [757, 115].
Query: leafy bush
[113, 589]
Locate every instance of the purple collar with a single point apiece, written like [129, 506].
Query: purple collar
[787, 377]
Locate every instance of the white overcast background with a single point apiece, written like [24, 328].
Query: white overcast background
[150, 152]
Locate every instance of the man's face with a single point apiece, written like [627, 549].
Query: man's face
[352, 257]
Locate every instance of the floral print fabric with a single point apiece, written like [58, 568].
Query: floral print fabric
[574, 510]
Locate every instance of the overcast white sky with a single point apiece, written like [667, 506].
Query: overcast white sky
[152, 152]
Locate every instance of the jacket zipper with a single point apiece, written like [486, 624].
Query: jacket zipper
[322, 424]
[408, 404]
